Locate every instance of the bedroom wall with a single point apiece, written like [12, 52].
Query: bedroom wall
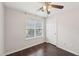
[67, 30]
[15, 23]
[1, 29]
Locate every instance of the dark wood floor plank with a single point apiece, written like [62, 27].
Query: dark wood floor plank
[44, 49]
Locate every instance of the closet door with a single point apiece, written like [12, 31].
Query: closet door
[51, 31]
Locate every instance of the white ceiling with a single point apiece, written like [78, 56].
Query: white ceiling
[32, 7]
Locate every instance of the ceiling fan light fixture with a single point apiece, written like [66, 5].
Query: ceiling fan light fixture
[44, 7]
[47, 6]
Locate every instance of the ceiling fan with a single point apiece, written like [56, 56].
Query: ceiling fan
[47, 6]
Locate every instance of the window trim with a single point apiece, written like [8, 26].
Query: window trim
[42, 28]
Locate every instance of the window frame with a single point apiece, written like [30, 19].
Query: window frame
[35, 36]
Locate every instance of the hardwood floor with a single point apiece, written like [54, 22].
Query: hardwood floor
[44, 49]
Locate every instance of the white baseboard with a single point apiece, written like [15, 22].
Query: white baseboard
[64, 48]
[22, 49]
[67, 50]
[40, 43]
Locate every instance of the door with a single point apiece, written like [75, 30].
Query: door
[51, 31]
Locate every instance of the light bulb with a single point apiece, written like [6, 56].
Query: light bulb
[44, 7]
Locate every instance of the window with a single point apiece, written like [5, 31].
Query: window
[30, 33]
[34, 28]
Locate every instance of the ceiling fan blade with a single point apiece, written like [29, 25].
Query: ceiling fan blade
[58, 6]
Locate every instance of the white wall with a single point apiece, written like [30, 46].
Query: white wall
[1, 29]
[67, 28]
[15, 31]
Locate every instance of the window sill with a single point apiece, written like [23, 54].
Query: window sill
[34, 37]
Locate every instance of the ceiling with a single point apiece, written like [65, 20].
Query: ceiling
[32, 7]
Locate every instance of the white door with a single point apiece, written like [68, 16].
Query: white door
[51, 31]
